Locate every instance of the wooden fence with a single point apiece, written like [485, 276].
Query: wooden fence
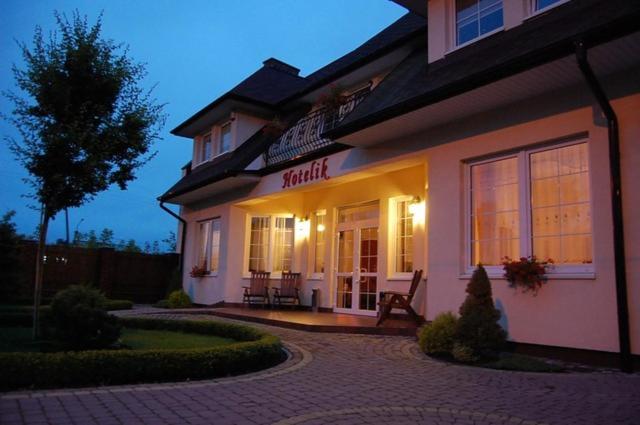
[142, 278]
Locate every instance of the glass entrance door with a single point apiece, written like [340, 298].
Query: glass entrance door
[356, 273]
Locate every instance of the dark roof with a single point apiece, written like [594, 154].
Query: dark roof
[265, 87]
[226, 165]
[277, 82]
[415, 83]
[402, 30]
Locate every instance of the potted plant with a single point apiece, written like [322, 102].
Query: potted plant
[527, 273]
[333, 99]
[275, 127]
[198, 271]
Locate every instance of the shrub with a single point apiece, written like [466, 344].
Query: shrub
[80, 321]
[478, 326]
[178, 299]
[256, 350]
[438, 336]
[118, 305]
[463, 353]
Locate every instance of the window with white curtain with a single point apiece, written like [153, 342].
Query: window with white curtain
[271, 242]
[209, 244]
[402, 234]
[533, 202]
[319, 242]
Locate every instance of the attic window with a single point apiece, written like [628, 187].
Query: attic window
[475, 18]
[225, 138]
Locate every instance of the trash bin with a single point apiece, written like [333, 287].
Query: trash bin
[315, 299]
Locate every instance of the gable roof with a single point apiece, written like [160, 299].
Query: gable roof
[541, 39]
[264, 88]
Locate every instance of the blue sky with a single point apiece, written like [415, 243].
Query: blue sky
[194, 51]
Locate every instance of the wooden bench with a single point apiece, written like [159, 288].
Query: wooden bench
[392, 299]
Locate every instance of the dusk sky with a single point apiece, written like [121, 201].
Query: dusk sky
[195, 51]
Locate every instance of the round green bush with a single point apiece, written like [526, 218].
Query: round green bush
[178, 299]
[80, 320]
[438, 336]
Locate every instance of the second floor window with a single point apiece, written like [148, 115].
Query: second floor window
[205, 149]
[225, 139]
[475, 18]
[543, 4]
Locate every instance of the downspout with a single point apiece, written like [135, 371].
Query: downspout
[626, 361]
[183, 236]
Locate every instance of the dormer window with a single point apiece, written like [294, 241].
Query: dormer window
[541, 6]
[205, 152]
[476, 18]
[225, 138]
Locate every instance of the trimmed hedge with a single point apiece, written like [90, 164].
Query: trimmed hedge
[256, 350]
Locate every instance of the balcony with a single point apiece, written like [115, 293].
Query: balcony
[305, 135]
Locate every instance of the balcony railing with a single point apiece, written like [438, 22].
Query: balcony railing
[304, 136]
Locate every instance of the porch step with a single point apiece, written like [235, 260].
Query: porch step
[317, 321]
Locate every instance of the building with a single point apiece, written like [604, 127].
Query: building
[489, 129]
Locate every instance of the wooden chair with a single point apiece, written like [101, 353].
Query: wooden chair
[391, 300]
[258, 291]
[289, 290]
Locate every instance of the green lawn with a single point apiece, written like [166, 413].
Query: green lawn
[19, 339]
[140, 339]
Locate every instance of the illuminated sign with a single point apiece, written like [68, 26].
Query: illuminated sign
[317, 170]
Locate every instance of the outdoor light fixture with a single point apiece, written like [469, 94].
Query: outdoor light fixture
[414, 205]
[302, 227]
[417, 210]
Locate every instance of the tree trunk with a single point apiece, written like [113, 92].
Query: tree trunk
[40, 253]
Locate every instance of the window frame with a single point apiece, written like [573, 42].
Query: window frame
[209, 245]
[392, 233]
[453, 29]
[218, 146]
[558, 271]
[270, 244]
[532, 11]
[313, 245]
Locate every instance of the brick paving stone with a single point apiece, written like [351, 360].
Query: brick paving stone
[345, 379]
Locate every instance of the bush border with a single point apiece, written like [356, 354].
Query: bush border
[255, 350]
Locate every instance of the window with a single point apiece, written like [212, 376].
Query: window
[259, 244]
[319, 242]
[543, 4]
[205, 148]
[209, 245]
[475, 18]
[495, 219]
[225, 138]
[271, 244]
[535, 202]
[403, 236]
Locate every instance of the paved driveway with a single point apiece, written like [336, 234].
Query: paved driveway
[346, 379]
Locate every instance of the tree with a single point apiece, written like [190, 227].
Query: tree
[478, 326]
[84, 123]
[170, 241]
[131, 246]
[106, 238]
